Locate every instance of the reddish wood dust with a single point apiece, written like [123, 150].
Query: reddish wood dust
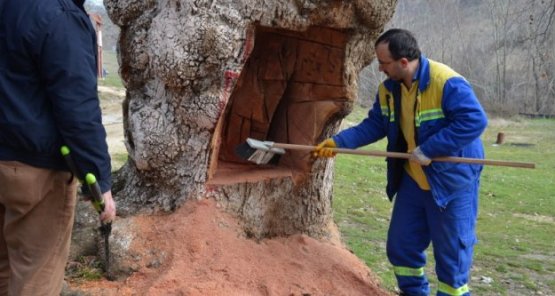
[207, 254]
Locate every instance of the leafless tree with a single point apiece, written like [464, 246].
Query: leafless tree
[539, 42]
[504, 48]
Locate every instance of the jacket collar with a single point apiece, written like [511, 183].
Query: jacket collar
[423, 73]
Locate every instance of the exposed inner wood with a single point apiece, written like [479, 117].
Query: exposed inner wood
[231, 173]
[291, 86]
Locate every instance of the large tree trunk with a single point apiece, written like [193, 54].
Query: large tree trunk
[202, 76]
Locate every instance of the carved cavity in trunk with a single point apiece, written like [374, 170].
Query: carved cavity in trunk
[291, 87]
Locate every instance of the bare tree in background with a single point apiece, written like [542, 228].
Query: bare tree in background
[540, 43]
[504, 48]
[501, 24]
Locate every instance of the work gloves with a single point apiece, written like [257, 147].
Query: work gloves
[418, 156]
[324, 149]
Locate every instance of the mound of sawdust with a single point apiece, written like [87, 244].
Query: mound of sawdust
[207, 254]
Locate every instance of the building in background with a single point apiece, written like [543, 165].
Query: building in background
[96, 20]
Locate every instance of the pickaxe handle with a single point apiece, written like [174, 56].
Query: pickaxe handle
[514, 164]
[90, 180]
[97, 202]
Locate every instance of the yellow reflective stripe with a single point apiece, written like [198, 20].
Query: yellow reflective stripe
[445, 288]
[427, 115]
[387, 113]
[408, 271]
[430, 114]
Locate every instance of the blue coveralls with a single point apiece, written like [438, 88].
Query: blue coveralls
[448, 122]
[417, 220]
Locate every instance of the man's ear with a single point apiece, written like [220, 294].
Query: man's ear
[404, 62]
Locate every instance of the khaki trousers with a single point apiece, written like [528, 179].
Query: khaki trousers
[36, 217]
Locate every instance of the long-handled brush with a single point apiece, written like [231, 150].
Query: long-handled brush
[263, 152]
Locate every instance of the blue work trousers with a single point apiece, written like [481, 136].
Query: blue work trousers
[416, 221]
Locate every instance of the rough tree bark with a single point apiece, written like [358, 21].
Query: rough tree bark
[201, 76]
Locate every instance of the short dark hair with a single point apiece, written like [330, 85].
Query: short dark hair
[401, 44]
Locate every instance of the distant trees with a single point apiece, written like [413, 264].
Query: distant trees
[540, 43]
[504, 48]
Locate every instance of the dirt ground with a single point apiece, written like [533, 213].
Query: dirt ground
[204, 251]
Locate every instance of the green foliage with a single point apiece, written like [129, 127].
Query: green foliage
[89, 273]
[516, 217]
[86, 268]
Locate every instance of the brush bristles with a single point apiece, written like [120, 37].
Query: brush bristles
[261, 157]
[259, 152]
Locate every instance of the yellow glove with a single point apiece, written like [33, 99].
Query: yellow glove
[324, 148]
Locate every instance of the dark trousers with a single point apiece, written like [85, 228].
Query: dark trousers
[416, 221]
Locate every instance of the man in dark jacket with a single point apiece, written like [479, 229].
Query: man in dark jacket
[48, 98]
[427, 109]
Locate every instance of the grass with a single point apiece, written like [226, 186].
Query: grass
[111, 65]
[118, 160]
[86, 268]
[516, 215]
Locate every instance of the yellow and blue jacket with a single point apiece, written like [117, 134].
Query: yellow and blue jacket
[448, 122]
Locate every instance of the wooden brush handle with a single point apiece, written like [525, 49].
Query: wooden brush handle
[514, 164]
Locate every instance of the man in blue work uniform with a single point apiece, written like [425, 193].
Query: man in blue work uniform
[427, 109]
[48, 98]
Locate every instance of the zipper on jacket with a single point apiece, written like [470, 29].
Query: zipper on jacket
[388, 99]
[416, 116]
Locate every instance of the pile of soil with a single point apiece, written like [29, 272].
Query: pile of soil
[205, 252]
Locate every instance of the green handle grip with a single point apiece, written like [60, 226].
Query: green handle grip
[90, 180]
[69, 161]
[97, 200]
